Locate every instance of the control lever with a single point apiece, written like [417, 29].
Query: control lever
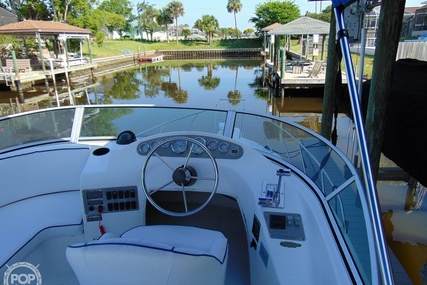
[271, 192]
[281, 172]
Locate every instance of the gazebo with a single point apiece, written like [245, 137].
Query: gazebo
[60, 31]
[265, 31]
[303, 26]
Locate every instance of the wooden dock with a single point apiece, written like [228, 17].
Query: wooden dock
[296, 76]
[9, 78]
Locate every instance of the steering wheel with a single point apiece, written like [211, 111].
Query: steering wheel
[182, 175]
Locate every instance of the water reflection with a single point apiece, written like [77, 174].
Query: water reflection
[124, 85]
[209, 82]
[200, 83]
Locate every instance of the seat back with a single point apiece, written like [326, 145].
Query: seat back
[152, 255]
[316, 68]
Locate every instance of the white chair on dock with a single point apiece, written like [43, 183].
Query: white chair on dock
[317, 67]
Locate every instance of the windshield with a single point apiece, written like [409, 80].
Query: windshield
[36, 127]
[149, 121]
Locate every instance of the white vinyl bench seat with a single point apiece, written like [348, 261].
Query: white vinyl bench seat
[152, 255]
[40, 197]
[37, 219]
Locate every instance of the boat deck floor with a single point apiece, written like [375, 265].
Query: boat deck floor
[221, 214]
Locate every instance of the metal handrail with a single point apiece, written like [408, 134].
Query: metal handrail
[381, 248]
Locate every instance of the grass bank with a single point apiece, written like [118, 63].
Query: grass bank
[118, 47]
[110, 48]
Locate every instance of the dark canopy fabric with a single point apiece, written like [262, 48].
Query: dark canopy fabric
[405, 133]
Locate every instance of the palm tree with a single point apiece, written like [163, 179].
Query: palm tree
[176, 9]
[234, 6]
[235, 95]
[165, 18]
[209, 24]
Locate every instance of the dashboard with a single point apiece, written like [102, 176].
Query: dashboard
[177, 146]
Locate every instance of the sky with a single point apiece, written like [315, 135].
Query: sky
[194, 9]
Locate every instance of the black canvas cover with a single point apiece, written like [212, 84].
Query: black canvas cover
[405, 133]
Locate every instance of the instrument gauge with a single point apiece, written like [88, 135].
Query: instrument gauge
[166, 145]
[212, 144]
[153, 144]
[179, 146]
[143, 148]
[197, 149]
[224, 147]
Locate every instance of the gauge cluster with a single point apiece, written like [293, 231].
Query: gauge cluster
[179, 146]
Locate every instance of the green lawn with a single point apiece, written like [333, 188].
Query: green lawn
[118, 47]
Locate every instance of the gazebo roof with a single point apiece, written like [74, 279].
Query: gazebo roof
[302, 26]
[271, 27]
[30, 27]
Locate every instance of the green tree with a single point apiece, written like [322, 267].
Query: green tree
[324, 16]
[234, 6]
[165, 18]
[147, 16]
[114, 22]
[99, 38]
[248, 31]
[71, 11]
[98, 18]
[224, 32]
[209, 24]
[186, 33]
[9, 43]
[274, 11]
[35, 10]
[233, 31]
[176, 9]
[122, 8]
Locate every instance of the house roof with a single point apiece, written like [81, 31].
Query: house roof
[302, 26]
[7, 17]
[30, 27]
[271, 27]
[411, 9]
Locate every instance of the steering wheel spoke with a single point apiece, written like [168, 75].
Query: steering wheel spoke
[162, 160]
[152, 191]
[184, 197]
[183, 176]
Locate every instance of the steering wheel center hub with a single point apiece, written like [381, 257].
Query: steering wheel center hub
[182, 176]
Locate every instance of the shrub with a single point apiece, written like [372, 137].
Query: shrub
[99, 38]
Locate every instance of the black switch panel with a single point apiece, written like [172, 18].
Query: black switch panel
[109, 200]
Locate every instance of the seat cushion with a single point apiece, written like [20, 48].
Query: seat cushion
[152, 255]
[185, 240]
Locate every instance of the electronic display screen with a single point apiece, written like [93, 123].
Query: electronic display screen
[277, 222]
